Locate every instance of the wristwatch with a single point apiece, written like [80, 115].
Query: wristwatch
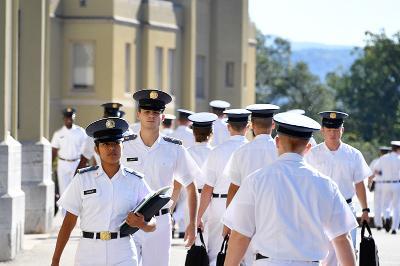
[366, 210]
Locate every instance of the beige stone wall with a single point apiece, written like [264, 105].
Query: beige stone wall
[110, 25]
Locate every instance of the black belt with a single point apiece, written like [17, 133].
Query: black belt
[222, 196]
[199, 190]
[388, 181]
[102, 235]
[162, 212]
[349, 201]
[67, 160]
[260, 257]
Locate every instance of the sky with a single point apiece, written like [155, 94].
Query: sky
[337, 22]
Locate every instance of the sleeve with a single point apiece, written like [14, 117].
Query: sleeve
[71, 199]
[210, 175]
[87, 149]
[186, 168]
[232, 170]
[55, 141]
[341, 219]
[361, 167]
[240, 215]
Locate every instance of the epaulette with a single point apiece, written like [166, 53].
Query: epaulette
[88, 169]
[133, 172]
[130, 137]
[172, 140]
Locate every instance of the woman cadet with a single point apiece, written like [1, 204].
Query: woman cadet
[102, 197]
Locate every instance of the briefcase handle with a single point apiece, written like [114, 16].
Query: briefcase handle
[365, 225]
[224, 246]
[200, 233]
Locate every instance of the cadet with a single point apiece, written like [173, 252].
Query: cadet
[215, 190]
[381, 202]
[202, 131]
[254, 155]
[182, 131]
[102, 197]
[388, 166]
[66, 144]
[287, 209]
[220, 130]
[87, 150]
[167, 125]
[162, 159]
[343, 163]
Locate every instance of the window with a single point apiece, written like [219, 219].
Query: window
[159, 68]
[82, 65]
[200, 71]
[127, 67]
[171, 70]
[229, 70]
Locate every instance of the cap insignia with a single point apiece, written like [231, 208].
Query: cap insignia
[332, 115]
[153, 95]
[69, 110]
[114, 105]
[110, 123]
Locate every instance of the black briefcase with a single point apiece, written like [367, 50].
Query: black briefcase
[197, 255]
[222, 253]
[368, 248]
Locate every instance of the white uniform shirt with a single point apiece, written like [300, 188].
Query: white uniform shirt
[167, 131]
[184, 134]
[199, 152]
[389, 165]
[216, 162]
[250, 157]
[135, 127]
[160, 163]
[290, 211]
[69, 142]
[220, 132]
[101, 203]
[346, 166]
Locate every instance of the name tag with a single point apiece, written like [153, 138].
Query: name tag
[90, 191]
[133, 159]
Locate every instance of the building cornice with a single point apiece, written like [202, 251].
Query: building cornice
[121, 21]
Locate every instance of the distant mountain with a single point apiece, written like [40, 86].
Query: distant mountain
[323, 58]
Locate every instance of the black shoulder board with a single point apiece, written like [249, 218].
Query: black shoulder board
[88, 169]
[138, 174]
[130, 137]
[173, 140]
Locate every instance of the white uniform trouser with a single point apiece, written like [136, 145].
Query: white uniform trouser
[181, 213]
[331, 259]
[154, 248]
[382, 203]
[214, 228]
[392, 192]
[119, 251]
[276, 262]
[65, 173]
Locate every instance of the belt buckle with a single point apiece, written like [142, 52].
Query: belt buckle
[105, 235]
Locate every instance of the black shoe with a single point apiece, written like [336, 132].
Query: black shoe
[379, 228]
[394, 232]
[181, 235]
[387, 225]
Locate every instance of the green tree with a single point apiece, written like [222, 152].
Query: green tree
[370, 90]
[290, 86]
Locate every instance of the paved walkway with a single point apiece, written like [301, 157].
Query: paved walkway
[38, 249]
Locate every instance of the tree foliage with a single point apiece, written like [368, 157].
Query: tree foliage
[285, 84]
[370, 90]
